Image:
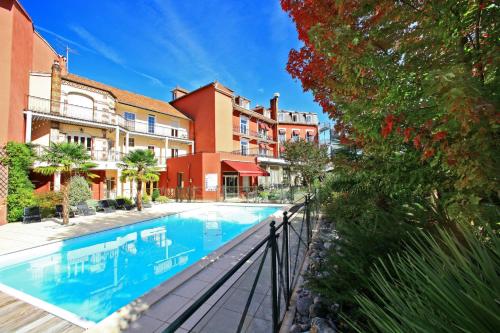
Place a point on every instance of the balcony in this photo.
(245, 131)
(103, 155)
(259, 152)
(101, 117)
(95, 155)
(253, 114)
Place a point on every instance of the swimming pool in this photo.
(92, 276)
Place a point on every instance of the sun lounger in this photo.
(32, 214)
(104, 206)
(84, 210)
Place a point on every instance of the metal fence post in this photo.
(286, 257)
(308, 218)
(274, 275)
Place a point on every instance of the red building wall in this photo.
(21, 51)
(200, 106)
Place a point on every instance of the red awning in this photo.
(262, 126)
(262, 145)
(296, 132)
(282, 131)
(246, 168)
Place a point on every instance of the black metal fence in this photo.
(265, 279)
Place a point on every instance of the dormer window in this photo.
(294, 118)
(281, 117)
(308, 119)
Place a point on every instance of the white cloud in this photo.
(109, 53)
(64, 39)
(99, 46)
(186, 48)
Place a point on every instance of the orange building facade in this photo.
(22, 50)
(229, 137)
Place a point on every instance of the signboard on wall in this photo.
(211, 182)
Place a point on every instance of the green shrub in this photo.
(20, 189)
(79, 190)
(274, 195)
(146, 198)
(162, 199)
(128, 201)
(440, 284)
(47, 202)
(155, 194)
(264, 195)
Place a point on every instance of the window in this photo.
(129, 120)
(309, 136)
(151, 124)
(295, 135)
(82, 140)
(245, 104)
(175, 132)
(174, 152)
(281, 117)
(282, 135)
(262, 151)
(131, 142)
(244, 125)
(152, 148)
(244, 147)
(294, 118)
(308, 119)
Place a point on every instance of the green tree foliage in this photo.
(139, 166)
(413, 82)
(69, 159)
(307, 159)
(440, 284)
(413, 86)
(79, 190)
(20, 189)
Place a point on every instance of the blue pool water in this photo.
(94, 275)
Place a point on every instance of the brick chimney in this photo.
(55, 87)
(274, 106)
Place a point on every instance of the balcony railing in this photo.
(56, 108)
(244, 130)
(95, 154)
(254, 152)
(104, 155)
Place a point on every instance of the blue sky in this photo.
(151, 46)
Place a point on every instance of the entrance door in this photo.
(246, 183)
(180, 180)
(230, 186)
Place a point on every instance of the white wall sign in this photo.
(211, 182)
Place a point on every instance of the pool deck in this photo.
(152, 312)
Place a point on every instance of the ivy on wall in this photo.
(19, 159)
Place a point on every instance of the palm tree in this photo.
(139, 166)
(69, 159)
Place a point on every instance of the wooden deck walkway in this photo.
(20, 317)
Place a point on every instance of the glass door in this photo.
(230, 186)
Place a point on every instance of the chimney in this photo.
(55, 87)
(274, 106)
(178, 92)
